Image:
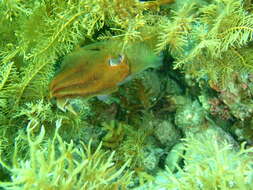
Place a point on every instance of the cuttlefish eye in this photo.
(116, 61)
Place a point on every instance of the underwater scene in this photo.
(126, 95)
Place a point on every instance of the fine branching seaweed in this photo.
(210, 41)
(204, 40)
(212, 165)
(55, 164)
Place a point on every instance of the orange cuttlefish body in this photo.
(99, 68)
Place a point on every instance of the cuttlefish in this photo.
(99, 69)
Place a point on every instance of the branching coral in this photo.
(60, 165)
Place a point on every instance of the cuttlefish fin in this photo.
(106, 94)
(126, 80)
(103, 98)
(64, 105)
(141, 56)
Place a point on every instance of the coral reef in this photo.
(200, 91)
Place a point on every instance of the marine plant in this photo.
(212, 164)
(56, 164)
(134, 148)
(210, 41)
(115, 133)
(204, 39)
(34, 38)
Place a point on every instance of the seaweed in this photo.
(56, 164)
(210, 41)
(212, 165)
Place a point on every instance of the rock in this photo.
(174, 157)
(190, 117)
(166, 133)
